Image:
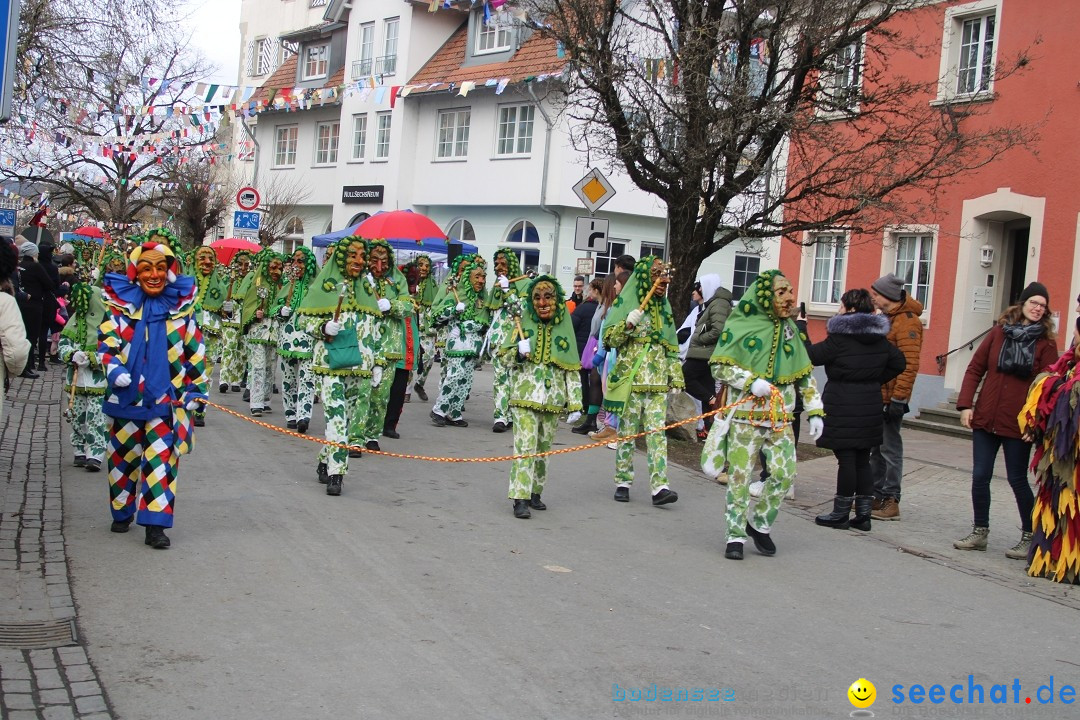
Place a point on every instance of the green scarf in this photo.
(658, 309)
(475, 302)
(426, 289)
(292, 291)
(757, 341)
(87, 311)
(456, 265)
(554, 342)
(260, 291)
(497, 296)
(322, 295)
(210, 289)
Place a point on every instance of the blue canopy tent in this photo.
(432, 246)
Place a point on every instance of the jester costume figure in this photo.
(465, 314)
(258, 329)
(232, 353)
(152, 352)
(426, 290)
(210, 288)
(340, 311)
(761, 356)
(505, 302)
(85, 377)
(436, 331)
(391, 292)
(1052, 417)
(543, 382)
(294, 344)
(646, 369)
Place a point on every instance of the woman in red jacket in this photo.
(1020, 346)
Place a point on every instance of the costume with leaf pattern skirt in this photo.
(464, 340)
(505, 306)
(233, 354)
(260, 333)
(89, 426)
(295, 344)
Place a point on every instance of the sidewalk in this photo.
(44, 671)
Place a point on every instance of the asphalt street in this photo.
(417, 594)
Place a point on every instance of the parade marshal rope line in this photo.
(759, 404)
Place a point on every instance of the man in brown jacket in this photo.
(906, 333)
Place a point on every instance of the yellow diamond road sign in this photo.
(594, 190)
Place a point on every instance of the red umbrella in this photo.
(89, 231)
(400, 225)
(227, 247)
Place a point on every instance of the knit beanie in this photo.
(890, 287)
(28, 249)
(1032, 290)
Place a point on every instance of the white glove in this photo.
(286, 311)
(332, 327)
(193, 405)
(122, 380)
(761, 388)
(524, 347)
(634, 316)
(573, 417)
(817, 426)
(384, 305)
(460, 307)
(376, 376)
(504, 282)
(80, 358)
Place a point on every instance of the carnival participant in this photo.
(152, 352)
(543, 383)
(232, 352)
(209, 296)
(504, 301)
(257, 328)
(467, 318)
(760, 352)
(426, 291)
(641, 329)
(391, 292)
(85, 377)
(294, 343)
(339, 311)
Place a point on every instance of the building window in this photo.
(649, 250)
(605, 262)
(265, 57)
(495, 35)
(388, 61)
(515, 130)
(357, 219)
(326, 142)
(525, 232)
(359, 136)
(842, 81)
(382, 136)
(914, 260)
(969, 51)
(316, 61)
(747, 268)
(830, 252)
(285, 146)
(362, 66)
(976, 65)
(453, 134)
(462, 231)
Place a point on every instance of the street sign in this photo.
(246, 220)
(591, 234)
(594, 190)
(585, 266)
(7, 223)
(9, 13)
(247, 198)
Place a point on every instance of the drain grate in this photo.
(34, 635)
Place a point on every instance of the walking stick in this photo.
(664, 277)
(70, 413)
(527, 276)
(337, 311)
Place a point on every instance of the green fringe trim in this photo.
(786, 380)
(461, 353)
(294, 355)
(331, 310)
(762, 415)
(84, 390)
(537, 407)
(351, 372)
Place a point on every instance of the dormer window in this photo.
(496, 35)
(316, 61)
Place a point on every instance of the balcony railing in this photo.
(385, 65)
(361, 68)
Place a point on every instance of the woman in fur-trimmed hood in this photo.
(858, 359)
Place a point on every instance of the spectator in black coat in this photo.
(582, 319)
(39, 290)
(858, 360)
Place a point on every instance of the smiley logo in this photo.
(862, 693)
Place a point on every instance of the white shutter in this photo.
(249, 61)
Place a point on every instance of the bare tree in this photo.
(739, 115)
(279, 200)
(203, 196)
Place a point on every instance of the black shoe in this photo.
(355, 451)
(420, 391)
(664, 497)
(267, 409)
(323, 472)
(291, 424)
(199, 421)
(391, 433)
(437, 420)
(257, 412)
(762, 541)
(121, 526)
(733, 551)
(301, 426)
(864, 504)
(42, 367)
(372, 445)
(499, 427)
(247, 395)
(276, 391)
(840, 515)
(29, 374)
(521, 509)
(235, 388)
(55, 360)
(622, 494)
(536, 503)
(457, 422)
(333, 485)
(156, 538)
(80, 461)
(92, 465)
(223, 388)
(586, 427)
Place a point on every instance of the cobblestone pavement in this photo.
(45, 673)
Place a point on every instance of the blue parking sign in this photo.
(246, 220)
